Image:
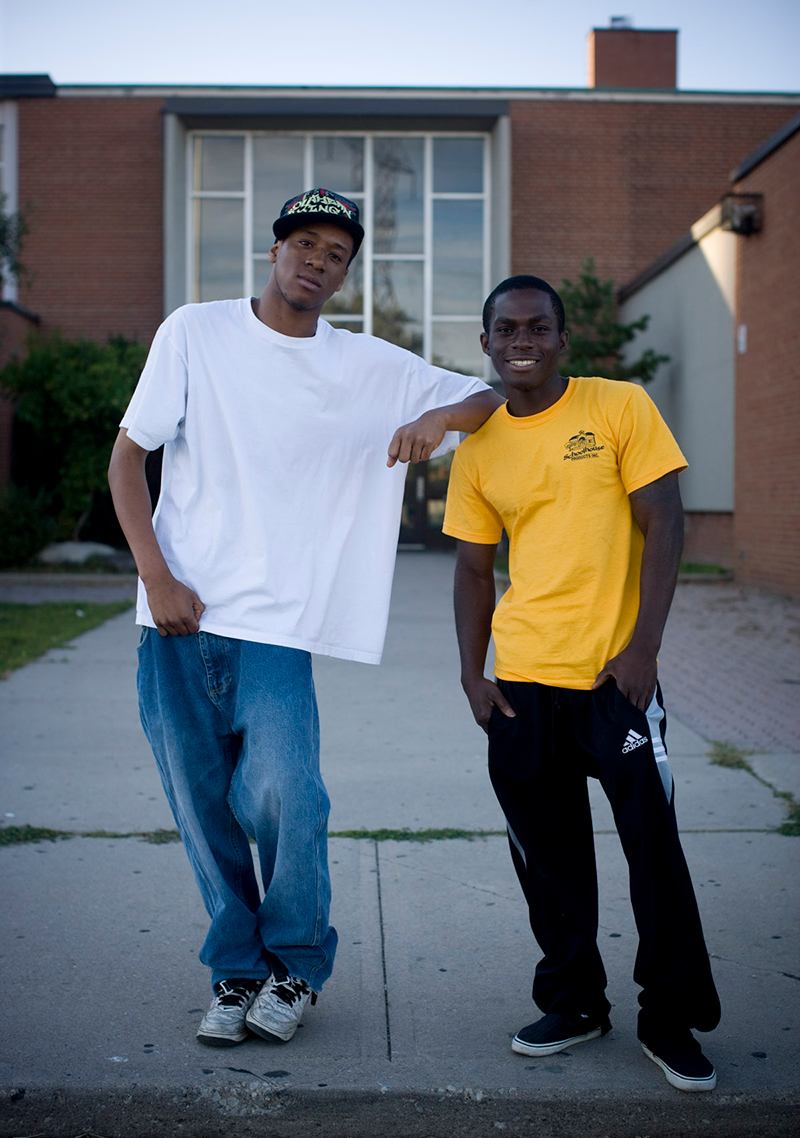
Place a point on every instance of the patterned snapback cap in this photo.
(320, 205)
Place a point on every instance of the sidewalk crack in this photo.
(383, 956)
(754, 968)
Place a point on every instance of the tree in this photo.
(13, 228)
(596, 337)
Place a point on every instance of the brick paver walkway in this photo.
(730, 665)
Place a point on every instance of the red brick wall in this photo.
(709, 539)
(767, 486)
(90, 175)
(625, 57)
(621, 182)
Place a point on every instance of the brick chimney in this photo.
(621, 56)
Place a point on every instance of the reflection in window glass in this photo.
(398, 303)
(457, 257)
(339, 164)
(219, 258)
(458, 166)
(350, 298)
(399, 184)
(277, 176)
(436, 508)
(457, 346)
(219, 163)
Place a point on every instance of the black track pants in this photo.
(539, 762)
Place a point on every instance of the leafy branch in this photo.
(597, 337)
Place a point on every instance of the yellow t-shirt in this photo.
(558, 483)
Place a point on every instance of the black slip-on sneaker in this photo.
(555, 1032)
(680, 1057)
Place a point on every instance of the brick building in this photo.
(767, 385)
(724, 302)
(140, 199)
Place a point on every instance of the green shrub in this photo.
(70, 396)
(25, 526)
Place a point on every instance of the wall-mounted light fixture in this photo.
(742, 213)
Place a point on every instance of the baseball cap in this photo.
(320, 205)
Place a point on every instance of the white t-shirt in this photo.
(276, 505)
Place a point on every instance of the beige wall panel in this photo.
(691, 319)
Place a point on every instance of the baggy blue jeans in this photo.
(235, 732)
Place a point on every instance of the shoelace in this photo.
(292, 989)
(233, 996)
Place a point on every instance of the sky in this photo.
(723, 45)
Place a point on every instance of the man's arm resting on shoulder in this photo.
(174, 607)
(474, 596)
(658, 512)
(416, 441)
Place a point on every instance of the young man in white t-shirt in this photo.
(274, 537)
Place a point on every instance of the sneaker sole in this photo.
(270, 1036)
(682, 1082)
(221, 1040)
(540, 1049)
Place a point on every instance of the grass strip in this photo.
(28, 631)
(21, 835)
(791, 827)
(726, 755)
(406, 835)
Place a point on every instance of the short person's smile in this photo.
(524, 341)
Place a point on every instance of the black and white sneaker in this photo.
(555, 1032)
(279, 1008)
(223, 1025)
(680, 1057)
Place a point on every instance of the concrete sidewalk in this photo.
(411, 1036)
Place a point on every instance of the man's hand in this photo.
(483, 695)
(416, 442)
(635, 672)
(174, 607)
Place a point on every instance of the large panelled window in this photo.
(423, 271)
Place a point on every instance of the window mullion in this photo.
(427, 248)
(487, 234)
(192, 229)
(367, 222)
(308, 165)
(248, 214)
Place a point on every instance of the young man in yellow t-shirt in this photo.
(583, 476)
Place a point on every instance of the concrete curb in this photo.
(257, 1108)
